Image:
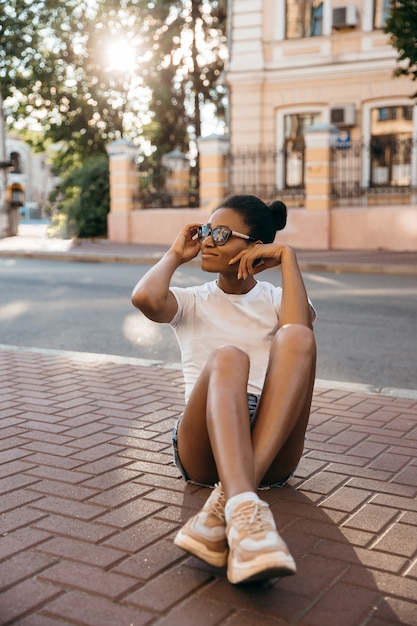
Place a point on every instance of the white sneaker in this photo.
(204, 535)
(256, 551)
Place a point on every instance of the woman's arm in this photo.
(152, 295)
(295, 308)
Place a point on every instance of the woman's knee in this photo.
(229, 358)
(296, 338)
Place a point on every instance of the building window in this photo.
(391, 145)
(381, 11)
(15, 158)
(304, 18)
(294, 127)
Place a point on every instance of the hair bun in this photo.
(279, 214)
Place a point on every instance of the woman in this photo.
(248, 354)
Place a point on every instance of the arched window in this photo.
(16, 159)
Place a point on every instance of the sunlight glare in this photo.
(121, 56)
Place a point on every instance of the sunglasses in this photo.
(220, 234)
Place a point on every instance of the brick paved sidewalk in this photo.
(90, 503)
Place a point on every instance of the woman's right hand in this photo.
(186, 246)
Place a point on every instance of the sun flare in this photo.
(121, 55)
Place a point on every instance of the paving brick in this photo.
(81, 551)
(62, 526)
(15, 481)
(94, 452)
(21, 566)
(105, 465)
(151, 561)
(389, 584)
(324, 482)
(130, 513)
(168, 589)
(250, 618)
(141, 534)
(358, 538)
(399, 539)
(57, 472)
(110, 479)
(88, 579)
(15, 499)
(396, 612)
(408, 476)
(91, 503)
(266, 599)
(81, 608)
(202, 612)
(65, 490)
(17, 518)
(314, 575)
(80, 510)
(24, 597)
(348, 611)
(40, 620)
(119, 495)
(346, 499)
(371, 518)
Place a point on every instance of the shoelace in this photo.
(217, 507)
(251, 515)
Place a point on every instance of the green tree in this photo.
(402, 26)
(84, 202)
(82, 99)
(179, 57)
(21, 25)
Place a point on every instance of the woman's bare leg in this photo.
(284, 409)
(214, 439)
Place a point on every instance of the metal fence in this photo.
(258, 172)
(364, 173)
(155, 192)
(374, 172)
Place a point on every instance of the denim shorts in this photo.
(253, 400)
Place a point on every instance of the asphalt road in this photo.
(366, 325)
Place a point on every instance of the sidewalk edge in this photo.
(346, 267)
(94, 357)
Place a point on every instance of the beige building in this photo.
(317, 118)
(296, 64)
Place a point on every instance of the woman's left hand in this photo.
(259, 257)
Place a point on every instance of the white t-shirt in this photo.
(208, 318)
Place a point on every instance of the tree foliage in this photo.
(54, 61)
(83, 200)
(402, 26)
(79, 98)
(21, 42)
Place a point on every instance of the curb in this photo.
(94, 357)
(310, 266)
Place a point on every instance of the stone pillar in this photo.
(214, 172)
(319, 166)
(177, 177)
(124, 189)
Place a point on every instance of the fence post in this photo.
(319, 166)
(214, 173)
(177, 181)
(124, 189)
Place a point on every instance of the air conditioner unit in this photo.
(343, 116)
(345, 17)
